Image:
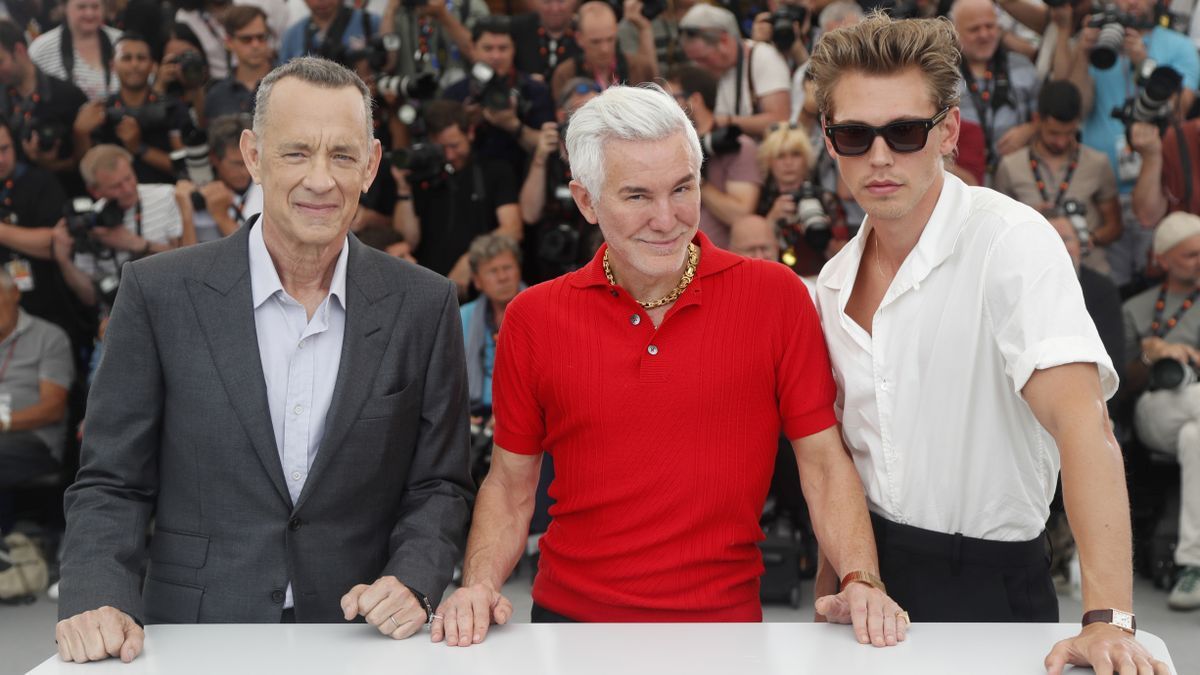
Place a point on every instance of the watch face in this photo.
(1122, 620)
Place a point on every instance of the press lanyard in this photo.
(1035, 165)
(1157, 327)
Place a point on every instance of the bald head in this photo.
(596, 15)
(978, 28)
(598, 35)
(754, 237)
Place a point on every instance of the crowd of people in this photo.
(123, 125)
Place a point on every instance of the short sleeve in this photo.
(1108, 181)
(520, 419)
(56, 365)
(1035, 306)
(804, 378)
(770, 70)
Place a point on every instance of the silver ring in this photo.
(393, 618)
(437, 617)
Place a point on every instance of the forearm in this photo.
(532, 199)
(459, 35)
(756, 125)
(38, 415)
(1149, 202)
(79, 283)
(723, 206)
(1093, 479)
(528, 138)
(499, 531)
(1078, 76)
(1030, 14)
(405, 221)
(1108, 232)
(31, 241)
(838, 506)
(226, 224)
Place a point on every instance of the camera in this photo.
(192, 164)
(420, 86)
(721, 141)
(84, 215)
(1152, 104)
(811, 217)
(1112, 25)
(425, 163)
(652, 8)
(1076, 213)
(559, 245)
(151, 115)
(783, 31)
(48, 133)
(1171, 374)
(376, 52)
(193, 72)
(492, 91)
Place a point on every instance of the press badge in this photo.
(1129, 163)
(21, 273)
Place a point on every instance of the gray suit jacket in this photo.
(178, 428)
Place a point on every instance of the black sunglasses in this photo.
(852, 140)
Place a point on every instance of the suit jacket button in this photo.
(277, 596)
(294, 524)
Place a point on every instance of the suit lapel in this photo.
(370, 304)
(225, 308)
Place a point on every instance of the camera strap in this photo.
(1035, 166)
(1157, 328)
(66, 48)
(1185, 160)
(744, 65)
(333, 36)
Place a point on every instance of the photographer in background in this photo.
(439, 214)
(1162, 334)
(1133, 48)
(331, 30)
(664, 16)
(600, 57)
(730, 181)
(545, 37)
(1056, 171)
(435, 36)
(145, 123)
(224, 204)
(183, 73)
(248, 39)
(1169, 179)
(40, 110)
(754, 83)
(513, 106)
(558, 238)
(133, 221)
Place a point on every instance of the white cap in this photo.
(1174, 229)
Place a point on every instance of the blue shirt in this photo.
(489, 347)
(1113, 86)
(300, 359)
(293, 44)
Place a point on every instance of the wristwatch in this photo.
(424, 600)
(1115, 617)
(864, 577)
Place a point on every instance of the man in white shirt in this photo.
(753, 85)
(965, 361)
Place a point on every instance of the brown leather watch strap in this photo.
(1115, 617)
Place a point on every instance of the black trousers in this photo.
(940, 577)
(23, 456)
(539, 614)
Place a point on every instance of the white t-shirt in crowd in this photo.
(770, 75)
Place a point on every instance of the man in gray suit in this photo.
(287, 404)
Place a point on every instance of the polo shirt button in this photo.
(276, 596)
(653, 350)
(635, 319)
(615, 293)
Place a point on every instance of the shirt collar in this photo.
(264, 279)
(712, 260)
(938, 241)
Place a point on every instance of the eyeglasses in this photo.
(852, 140)
(776, 126)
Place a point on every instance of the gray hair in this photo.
(103, 157)
(840, 11)
(487, 247)
(641, 113)
(313, 70)
(708, 18)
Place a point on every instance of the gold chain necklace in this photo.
(688, 275)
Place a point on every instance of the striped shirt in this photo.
(160, 224)
(46, 54)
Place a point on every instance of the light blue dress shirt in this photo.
(300, 359)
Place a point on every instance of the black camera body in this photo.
(811, 218)
(720, 141)
(1152, 103)
(425, 163)
(493, 91)
(1076, 213)
(1112, 24)
(193, 71)
(82, 217)
(151, 115)
(48, 133)
(783, 32)
(1170, 374)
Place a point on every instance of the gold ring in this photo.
(393, 618)
(901, 614)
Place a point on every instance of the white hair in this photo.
(641, 113)
(840, 11)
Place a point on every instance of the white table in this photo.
(586, 649)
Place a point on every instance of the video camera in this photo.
(1112, 24)
(1152, 103)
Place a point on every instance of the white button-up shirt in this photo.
(300, 360)
(930, 401)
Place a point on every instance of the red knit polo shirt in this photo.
(663, 440)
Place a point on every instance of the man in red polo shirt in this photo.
(659, 377)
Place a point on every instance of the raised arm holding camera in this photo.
(600, 57)
(1169, 179)
(435, 36)
(230, 198)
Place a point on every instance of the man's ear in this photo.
(584, 201)
(248, 144)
